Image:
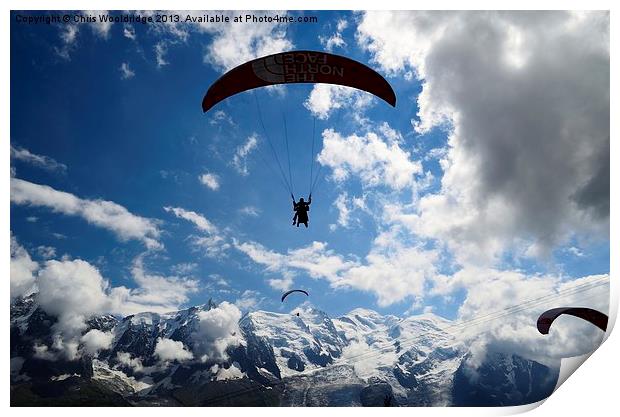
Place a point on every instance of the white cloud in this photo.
(126, 71)
(527, 161)
(250, 211)
(220, 116)
(161, 49)
(218, 330)
(210, 180)
(46, 252)
(214, 246)
(100, 28)
(41, 161)
(198, 220)
(72, 291)
(325, 98)
(240, 159)
(283, 284)
(376, 158)
(68, 36)
(22, 270)
(520, 299)
(392, 271)
(335, 39)
(249, 300)
(168, 350)
(344, 212)
(314, 259)
(184, 268)
(129, 32)
(124, 358)
(105, 214)
(95, 340)
(235, 44)
(224, 374)
(157, 293)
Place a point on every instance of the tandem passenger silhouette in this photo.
(301, 209)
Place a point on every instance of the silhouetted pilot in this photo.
(301, 211)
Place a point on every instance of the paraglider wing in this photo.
(296, 67)
(593, 316)
(286, 294)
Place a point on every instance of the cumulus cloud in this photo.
(235, 44)
(22, 271)
(344, 212)
(528, 160)
(335, 40)
(223, 374)
(325, 98)
(106, 214)
(240, 158)
(315, 259)
(168, 350)
(218, 330)
(41, 161)
(283, 284)
(135, 364)
(126, 71)
(95, 341)
(376, 158)
(501, 309)
(210, 180)
(74, 290)
(392, 271)
(154, 292)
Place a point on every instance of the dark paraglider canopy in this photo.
(595, 317)
(298, 67)
(286, 294)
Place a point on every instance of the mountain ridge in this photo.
(265, 358)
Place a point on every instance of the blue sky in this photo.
(419, 205)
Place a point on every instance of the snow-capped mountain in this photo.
(360, 358)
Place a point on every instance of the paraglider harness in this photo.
(301, 209)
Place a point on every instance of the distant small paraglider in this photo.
(286, 294)
(546, 319)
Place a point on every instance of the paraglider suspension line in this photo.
(288, 155)
(312, 153)
(275, 154)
